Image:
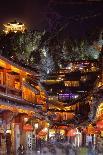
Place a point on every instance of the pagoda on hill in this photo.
(14, 27)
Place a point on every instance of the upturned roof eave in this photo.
(18, 66)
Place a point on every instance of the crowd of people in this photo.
(59, 149)
(55, 148)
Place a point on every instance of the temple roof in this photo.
(18, 66)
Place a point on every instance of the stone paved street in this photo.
(45, 151)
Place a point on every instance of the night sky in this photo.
(34, 13)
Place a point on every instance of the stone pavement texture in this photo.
(45, 151)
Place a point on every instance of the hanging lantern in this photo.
(100, 125)
(42, 133)
(71, 133)
(90, 130)
(63, 127)
(28, 127)
(85, 130)
(97, 131)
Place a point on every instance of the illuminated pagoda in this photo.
(14, 27)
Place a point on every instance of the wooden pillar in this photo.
(83, 139)
(5, 79)
(21, 82)
(13, 137)
(23, 138)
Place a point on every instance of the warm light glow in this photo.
(14, 69)
(17, 109)
(36, 126)
(71, 83)
(100, 111)
(51, 132)
(14, 78)
(23, 79)
(25, 119)
(72, 133)
(62, 132)
(51, 81)
(45, 129)
(28, 127)
(8, 131)
(14, 27)
(2, 64)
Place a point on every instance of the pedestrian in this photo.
(21, 150)
(90, 149)
(8, 143)
(67, 149)
(45, 150)
(71, 151)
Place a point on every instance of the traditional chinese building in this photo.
(14, 27)
(21, 99)
(70, 90)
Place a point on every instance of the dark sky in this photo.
(28, 11)
(33, 12)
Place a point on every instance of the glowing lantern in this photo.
(90, 130)
(28, 127)
(85, 130)
(71, 133)
(100, 125)
(42, 133)
(97, 131)
(63, 127)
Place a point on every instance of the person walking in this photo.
(91, 151)
(8, 143)
(21, 150)
(71, 151)
(67, 150)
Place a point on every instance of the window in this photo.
(71, 83)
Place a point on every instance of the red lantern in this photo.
(42, 133)
(90, 130)
(97, 131)
(28, 127)
(63, 127)
(72, 133)
(100, 125)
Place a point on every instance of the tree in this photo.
(46, 63)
